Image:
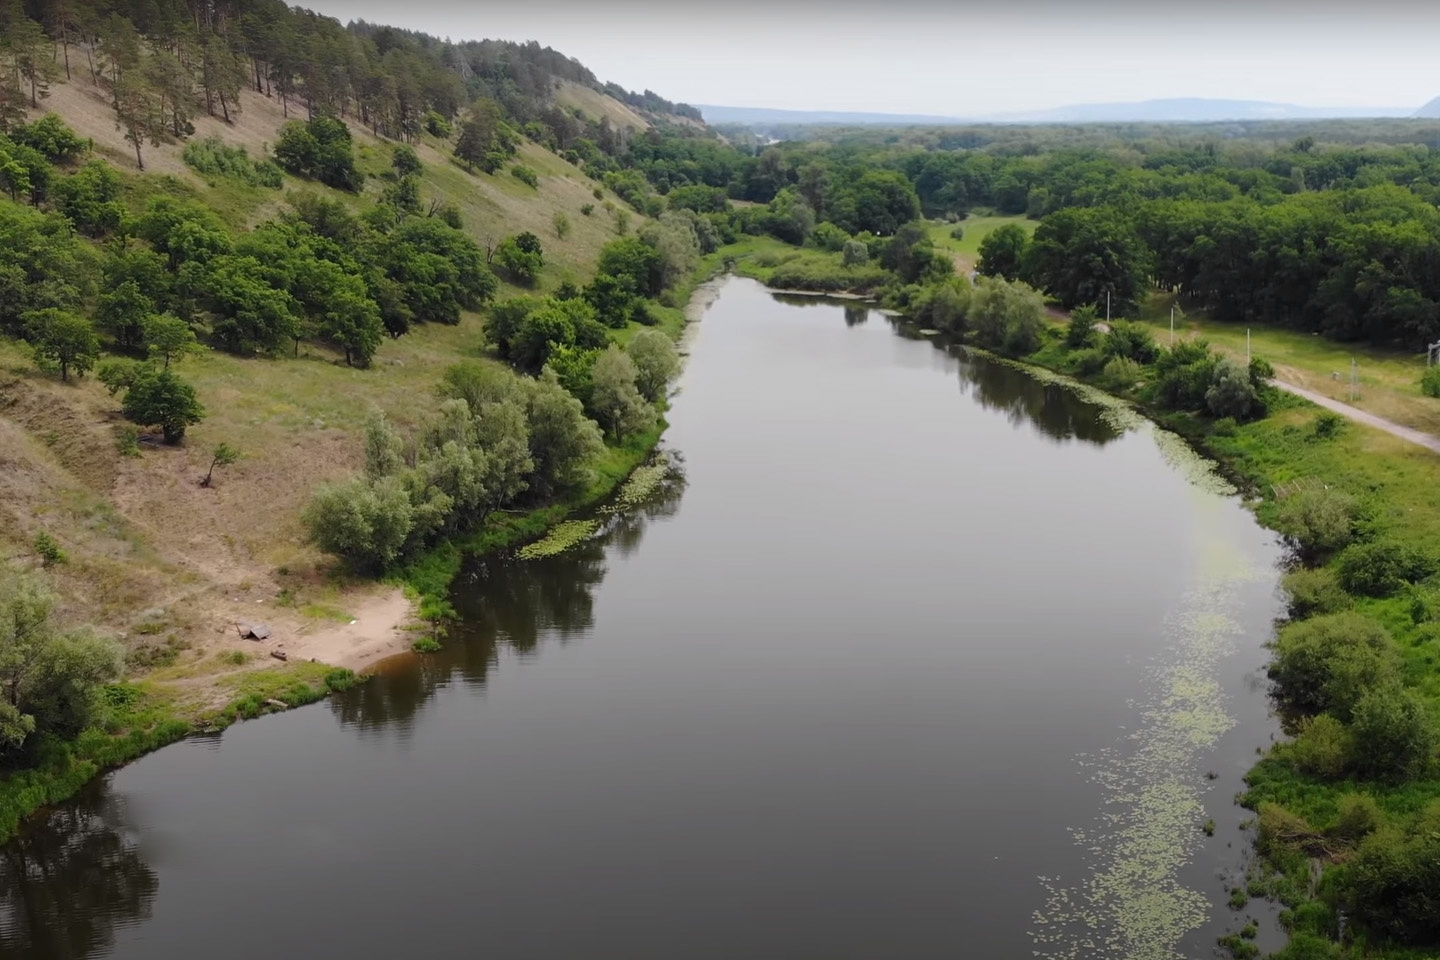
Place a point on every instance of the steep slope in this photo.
(173, 566)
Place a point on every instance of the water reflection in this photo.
(1055, 411)
(503, 601)
(69, 881)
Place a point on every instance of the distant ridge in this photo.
(1174, 110)
(763, 115)
(1431, 110)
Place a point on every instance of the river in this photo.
(913, 655)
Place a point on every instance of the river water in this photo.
(912, 655)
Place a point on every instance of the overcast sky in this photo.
(963, 58)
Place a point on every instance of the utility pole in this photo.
(1172, 324)
(1354, 380)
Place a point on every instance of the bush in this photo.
(1231, 393)
(525, 175)
(1430, 382)
(561, 222)
(1184, 375)
(1359, 816)
(1318, 521)
(212, 157)
(1394, 736)
(1225, 427)
(957, 233)
(587, 209)
(521, 258)
(855, 254)
(1394, 881)
(1323, 747)
(366, 521)
(320, 149)
(1330, 662)
(1131, 341)
(1382, 568)
(48, 550)
(1081, 330)
(1327, 426)
(1120, 374)
(1088, 362)
(1315, 591)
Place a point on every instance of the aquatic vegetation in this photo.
(642, 483)
(561, 538)
(1132, 904)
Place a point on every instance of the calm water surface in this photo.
(913, 656)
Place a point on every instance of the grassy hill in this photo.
(172, 566)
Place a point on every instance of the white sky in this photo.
(966, 59)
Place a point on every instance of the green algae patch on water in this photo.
(643, 482)
(1131, 903)
(561, 538)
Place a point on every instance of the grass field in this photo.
(974, 229)
(1389, 380)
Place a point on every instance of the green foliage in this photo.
(1007, 316)
(1327, 425)
(1323, 747)
(1382, 568)
(1318, 521)
(1231, 393)
(656, 363)
(51, 138)
(1002, 252)
(212, 157)
(1394, 734)
(1430, 382)
(1080, 332)
(1131, 341)
(1328, 663)
(62, 341)
(319, 149)
(1084, 254)
(168, 338)
(90, 198)
(50, 680)
(521, 259)
(855, 253)
(561, 222)
(1357, 816)
(158, 397)
(47, 548)
(1315, 591)
(525, 175)
(1120, 374)
(224, 456)
(1184, 375)
(1394, 881)
(615, 402)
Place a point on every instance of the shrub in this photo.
(1131, 341)
(587, 209)
(1225, 427)
(1317, 521)
(158, 397)
(1430, 382)
(1184, 374)
(525, 175)
(561, 222)
(1081, 329)
(48, 549)
(1329, 662)
(1323, 747)
(855, 254)
(1394, 736)
(1088, 362)
(1394, 879)
(1382, 568)
(1327, 425)
(1315, 591)
(957, 233)
(1120, 374)
(1358, 817)
(1231, 394)
(213, 157)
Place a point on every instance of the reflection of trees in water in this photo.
(504, 601)
(66, 884)
(856, 315)
(1056, 411)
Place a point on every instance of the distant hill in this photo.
(1430, 110)
(759, 116)
(1176, 110)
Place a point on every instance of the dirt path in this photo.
(1426, 440)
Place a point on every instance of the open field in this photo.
(1389, 380)
(974, 229)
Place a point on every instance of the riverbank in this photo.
(1323, 809)
(301, 663)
